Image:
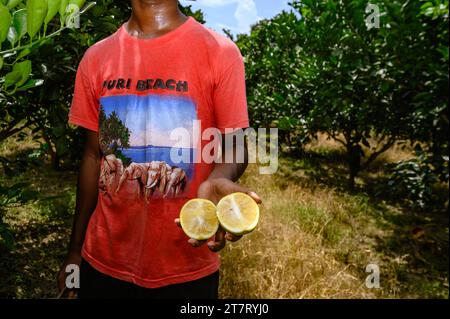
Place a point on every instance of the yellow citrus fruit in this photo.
(198, 219)
(238, 213)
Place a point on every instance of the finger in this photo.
(252, 194)
(219, 241)
(204, 189)
(231, 237)
(255, 197)
(192, 241)
(195, 242)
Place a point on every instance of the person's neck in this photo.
(153, 18)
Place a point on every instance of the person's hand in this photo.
(214, 190)
(72, 258)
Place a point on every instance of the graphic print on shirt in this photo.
(135, 138)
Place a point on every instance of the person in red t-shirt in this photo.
(159, 73)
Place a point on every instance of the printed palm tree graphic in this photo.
(113, 133)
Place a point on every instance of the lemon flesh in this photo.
(198, 219)
(238, 213)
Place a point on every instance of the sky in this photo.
(237, 15)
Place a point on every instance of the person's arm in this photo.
(231, 171)
(86, 201)
(230, 111)
(220, 183)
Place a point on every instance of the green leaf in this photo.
(25, 70)
(37, 11)
(13, 3)
(1, 62)
(443, 50)
(53, 8)
(19, 74)
(20, 22)
(18, 27)
(23, 53)
(5, 21)
(63, 10)
(348, 87)
(12, 78)
(12, 35)
(78, 3)
(32, 83)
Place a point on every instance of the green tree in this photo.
(27, 22)
(367, 88)
(278, 75)
(113, 133)
(197, 14)
(386, 84)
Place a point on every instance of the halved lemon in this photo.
(198, 219)
(238, 213)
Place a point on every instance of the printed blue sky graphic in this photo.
(151, 119)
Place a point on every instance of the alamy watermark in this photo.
(72, 14)
(73, 276)
(373, 279)
(262, 146)
(373, 19)
(72, 19)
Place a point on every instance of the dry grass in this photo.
(290, 255)
(323, 142)
(314, 241)
(15, 145)
(398, 152)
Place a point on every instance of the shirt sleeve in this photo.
(230, 100)
(84, 110)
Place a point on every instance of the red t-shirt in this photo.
(135, 92)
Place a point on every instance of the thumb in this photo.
(249, 192)
(255, 197)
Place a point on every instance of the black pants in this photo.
(94, 284)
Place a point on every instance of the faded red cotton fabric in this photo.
(135, 92)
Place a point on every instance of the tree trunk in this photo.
(54, 158)
(354, 153)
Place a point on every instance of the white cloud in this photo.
(246, 12)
